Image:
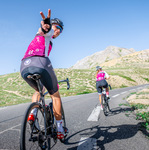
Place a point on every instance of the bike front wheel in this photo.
(33, 131)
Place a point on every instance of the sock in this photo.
(107, 93)
(59, 126)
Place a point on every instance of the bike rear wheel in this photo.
(64, 124)
(108, 106)
(33, 132)
(105, 105)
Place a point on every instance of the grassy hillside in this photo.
(14, 90)
(134, 68)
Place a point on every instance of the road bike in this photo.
(38, 134)
(105, 102)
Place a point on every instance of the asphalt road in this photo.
(89, 129)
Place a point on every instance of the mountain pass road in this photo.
(88, 128)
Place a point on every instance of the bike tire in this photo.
(105, 106)
(32, 135)
(108, 106)
(63, 117)
(64, 123)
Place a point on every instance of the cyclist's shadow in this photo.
(103, 135)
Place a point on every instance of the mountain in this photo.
(134, 68)
(100, 57)
(137, 59)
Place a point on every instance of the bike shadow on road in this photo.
(118, 110)
(104, 135)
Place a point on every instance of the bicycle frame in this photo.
(104, 91)
(30, 129)
(105, 103)
(43, 103)
(42, 100)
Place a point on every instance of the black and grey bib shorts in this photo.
(100, 84)
(42, 66)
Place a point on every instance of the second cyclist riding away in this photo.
(101, 77)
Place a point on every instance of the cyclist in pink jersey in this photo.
(36, 60)
(101, 77)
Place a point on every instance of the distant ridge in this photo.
(137, 59)
(111, 52)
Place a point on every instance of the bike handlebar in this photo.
(67, 80)
(68, 85)
(110, 87)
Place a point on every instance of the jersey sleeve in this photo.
(49, 34)
(106, 75)
(48, 38)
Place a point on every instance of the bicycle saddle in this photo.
(34, 76)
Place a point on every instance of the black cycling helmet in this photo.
(57, 21)
(98, 67)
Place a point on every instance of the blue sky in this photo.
(89, 26)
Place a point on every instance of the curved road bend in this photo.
(89, 128)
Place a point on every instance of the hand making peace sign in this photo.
(45, 24)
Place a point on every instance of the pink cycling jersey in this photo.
(101, 75)
(40, 46)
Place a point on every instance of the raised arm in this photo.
(45, 23)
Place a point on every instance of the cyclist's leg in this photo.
(100, 98)
(107, 88)
(99, 90)
(49, 80)
(60, 120)
(36, 95)
(107, 91)
(57, 105)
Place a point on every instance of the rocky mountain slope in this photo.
(97, 58)
(134, 66)
(138, 59)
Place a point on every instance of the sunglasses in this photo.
(58, 27)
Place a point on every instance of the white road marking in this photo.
(132, 90)
(124, 92)
(95, 114)
(139, 88)
(87, 144)
(9, 128)
(116, 95)
(2, 108)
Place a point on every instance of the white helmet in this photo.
(98, 67)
